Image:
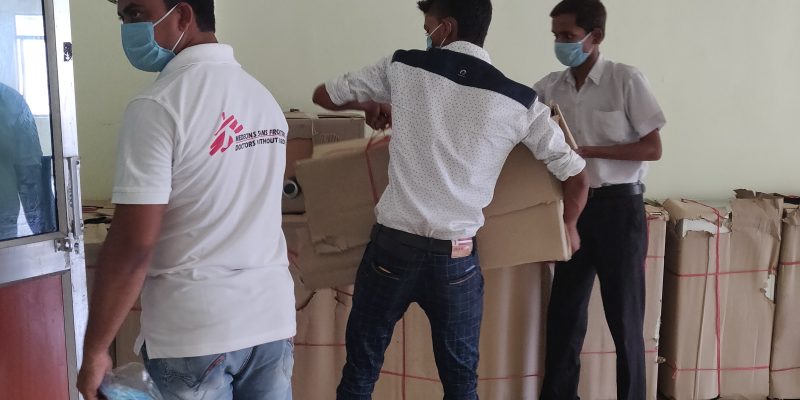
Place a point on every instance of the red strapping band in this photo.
(675, 370)
(790, 264)
(785, 369)
(753, 271)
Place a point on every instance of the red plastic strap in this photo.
(790, 264)
(784, 369)
(752, 271)
(718, 370)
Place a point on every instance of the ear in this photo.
(598, 35)
(452, 29)
(186, 16)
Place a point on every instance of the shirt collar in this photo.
(469, 49)
(211, 53)
(594, 75)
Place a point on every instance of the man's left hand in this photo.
(379, 116)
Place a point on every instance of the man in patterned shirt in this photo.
(455, 119)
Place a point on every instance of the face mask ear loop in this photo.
(444, 40)
(165, 15)
(178, 42)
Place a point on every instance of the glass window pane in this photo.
(34, 75)
(27, 198)
(29, 25)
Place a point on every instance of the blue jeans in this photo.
(258, 373)
(450, 291)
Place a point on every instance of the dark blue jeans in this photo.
(450, 291)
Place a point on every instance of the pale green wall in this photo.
(725, 72)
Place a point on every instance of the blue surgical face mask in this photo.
(139, 43)
(571, 54)
(430, 40)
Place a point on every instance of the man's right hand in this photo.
(94, 368)
(379, 116)
(574, 238)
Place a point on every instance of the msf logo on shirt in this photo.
(223, 138)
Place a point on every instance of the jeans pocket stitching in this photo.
(385, 272)
(465, 278)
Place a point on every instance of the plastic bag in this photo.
(129, 382)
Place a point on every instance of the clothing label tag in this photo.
(461, 248)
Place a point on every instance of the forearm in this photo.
(627, 152)
(323, 99)
(121, 271)
(576, 190)
(648, 148)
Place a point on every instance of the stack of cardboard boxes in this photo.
(785, 363)
(512, 337)
(718, 290)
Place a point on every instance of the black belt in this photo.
(387, 237)
(626, 189)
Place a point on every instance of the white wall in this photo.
(725, 72)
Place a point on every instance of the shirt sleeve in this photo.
(641, 106)
(144, 162)
(368, 84)
(546, 140)
(29, 150)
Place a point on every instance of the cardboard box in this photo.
(318, 271)
(785, 362)
(343, 182)
(511, 362)
(308, 130)
(598, 358)
(718, 313)
(525, 220)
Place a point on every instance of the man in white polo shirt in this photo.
(198, 221)
(616, 121)
(455, 119)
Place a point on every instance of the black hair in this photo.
(473, 16)
(589, 14)
(203, 12)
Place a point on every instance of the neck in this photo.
(194, 40)
(581, 72)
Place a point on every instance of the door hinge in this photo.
(65, 245)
